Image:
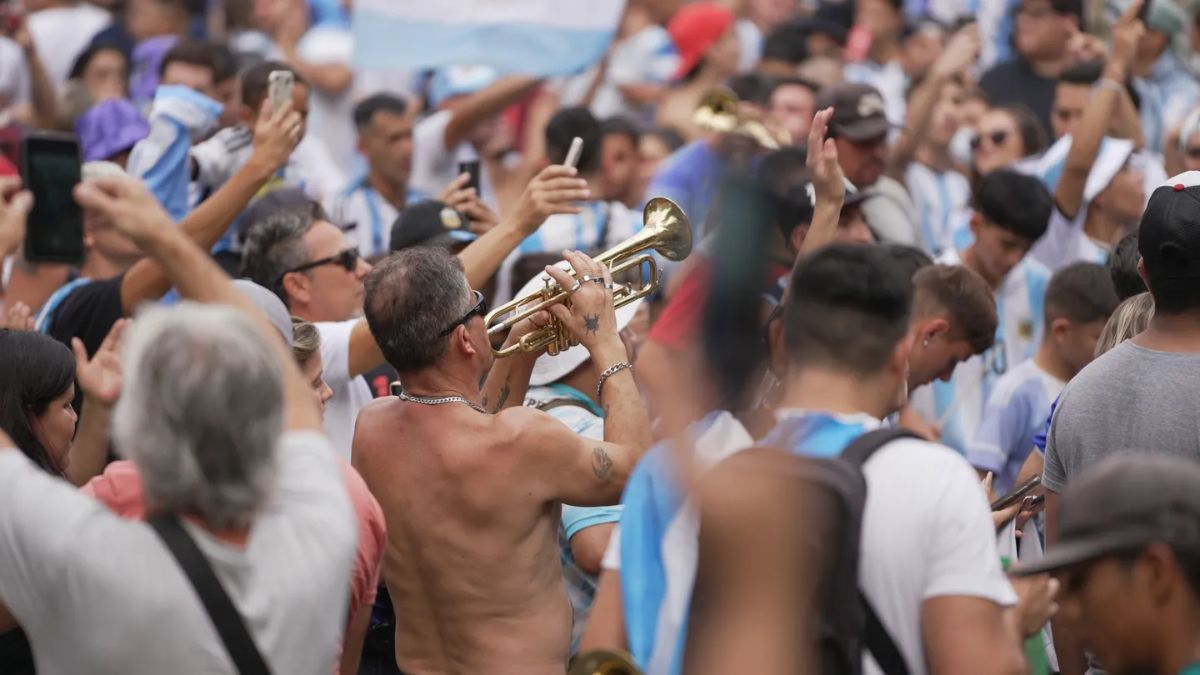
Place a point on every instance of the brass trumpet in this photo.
(604, 662)
(719, 112)
(665, 229)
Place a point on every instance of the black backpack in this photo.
(831, 494)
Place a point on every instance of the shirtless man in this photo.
(471, 487)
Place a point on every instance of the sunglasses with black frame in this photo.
(996, 137)
(479, 309)
(347, 260)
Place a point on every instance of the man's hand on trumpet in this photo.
(589, 313)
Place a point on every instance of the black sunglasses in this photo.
(1193, 153)
(479, 309)
(996, 137)
(347, 259)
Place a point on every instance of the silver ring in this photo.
(574, 288)
(586, 278)
(598, 280)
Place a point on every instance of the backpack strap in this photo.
(225, 617)
(875, 636)
(879, 642)
(859, 451)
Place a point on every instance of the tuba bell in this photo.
(720, 111)
(665, 230)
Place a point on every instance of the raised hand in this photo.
(456, 194)
(128, 205)
(276, 134)
(1035, 602)
(100, 377)
(961, 52)
(589, 314)
(1126, 34)
(18, 317)
(15, 204)
(828, 181)
(481, 217)
(554, 190)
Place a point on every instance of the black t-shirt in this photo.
(1015, 82)
(380, 379)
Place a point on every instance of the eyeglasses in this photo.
(1192, 153)
(347, 259)
(479, 309)
(996, 137)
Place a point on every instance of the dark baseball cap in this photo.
(1122, 504)
(859, 113)
(430, 223)
(1169, 235)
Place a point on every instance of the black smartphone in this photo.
(471, 168)
(50, 169)
(1017, 494)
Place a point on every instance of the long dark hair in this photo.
(34, 370)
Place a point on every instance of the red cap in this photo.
(694, 29)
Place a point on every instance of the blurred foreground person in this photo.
(1128, 554)
(470, 480)
(247, 508)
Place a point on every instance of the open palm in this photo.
(100, 376)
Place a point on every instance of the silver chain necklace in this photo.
(424, 400)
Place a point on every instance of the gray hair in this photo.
(275, 245)
(201, 412)
(411, 296)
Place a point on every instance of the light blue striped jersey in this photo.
(1014, 415)
(366, 217)
(658, 534)
(943, 201)
(957, 405)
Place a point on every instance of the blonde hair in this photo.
(1130, 318)
(306, 340)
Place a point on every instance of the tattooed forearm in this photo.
(601, 463)
(591, 323)
(503, 398)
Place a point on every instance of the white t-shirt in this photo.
(350, 394)
(1065, 242)
(942, 200)
(331, 116)
(434, 167)
(646, 57)
(83, 582)
(14, 75)
(62, 33)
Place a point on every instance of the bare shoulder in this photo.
(375, 416)
(528, 428)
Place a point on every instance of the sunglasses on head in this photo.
(480, 308)
(347, 260)
(996, 137)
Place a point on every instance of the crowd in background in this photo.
(946, 241)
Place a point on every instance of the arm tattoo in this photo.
(601, 463)
(591, 322)
(504, 392)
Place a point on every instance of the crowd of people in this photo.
(918, 401)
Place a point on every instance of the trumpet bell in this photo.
(719, 112)
(604, 662)
(670, 227)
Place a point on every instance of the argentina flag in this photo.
(532, 37)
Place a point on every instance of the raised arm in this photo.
(41, 87)
(137, 215)
(1085, 143)
(829, 185)
(274, 139)
(485, 104)
(100, 379)
(959, 54)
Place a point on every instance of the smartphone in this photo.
(50, 169)
(279, 87)
(574, 152)
(1018, 493)
(471, 168)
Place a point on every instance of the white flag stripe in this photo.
(570, 14)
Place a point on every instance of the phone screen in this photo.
(51, 170)
(473, 169)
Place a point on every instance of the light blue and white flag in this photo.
(532, 37)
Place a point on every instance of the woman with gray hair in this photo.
(225, 434)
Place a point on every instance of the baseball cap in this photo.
(430, 223)
(695, 28)
(1169, 235)
(110, 128)
(859, 113)
(1121, 504)
(270, 304)
(547, 368)
(458, 81)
